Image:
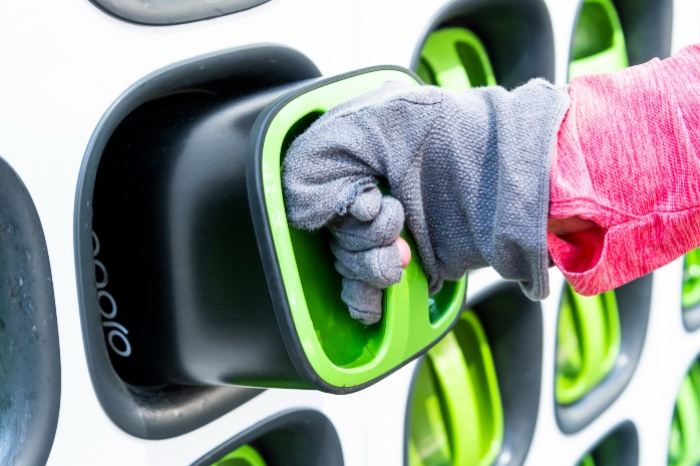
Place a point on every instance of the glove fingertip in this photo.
(367, 205)
(364, 301)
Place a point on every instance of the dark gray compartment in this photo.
(289, 438)
(517, 35)
(513, 327)
(647, 25)
(168, 12)
(634, 304)
(30, 371)
(162, 410)
(619, 448)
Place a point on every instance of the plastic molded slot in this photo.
(620, 447)
(684, 449)
(456, 59)
(456, 412)
(295, 437)
(245, 455)
(341, 351)
(588, 343)
(599, 43)
(691, 280)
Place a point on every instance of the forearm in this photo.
(626, 159)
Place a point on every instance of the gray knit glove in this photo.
(470, 172)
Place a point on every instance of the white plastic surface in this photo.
(62, 63)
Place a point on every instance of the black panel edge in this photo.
(316, 442)
(634, 304)
(619, 446)
(30, 382)
(158, 413)
(517, 35)
(169, 12)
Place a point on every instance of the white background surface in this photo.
(64, 62)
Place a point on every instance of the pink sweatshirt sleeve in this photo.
(627, 159)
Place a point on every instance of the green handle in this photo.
(599, 42)
(587, 461)
(242, 456)
(343, 352)
(456, 59)
(589, 343)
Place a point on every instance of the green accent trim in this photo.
(455, 59)
(342, 351)
(599, 42)
(456, 410)
(587, 461)
(242, 456)
(589, 338)
(690, 297)
(684, 448)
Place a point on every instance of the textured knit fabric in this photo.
(627, 159)
(470, 170)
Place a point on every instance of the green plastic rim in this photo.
(690, 297)
(456, 410)
(587, 461)
(342, 351)
(588, 343)
(684, 448)
(599, 42)
(455, 58)
(242, 456)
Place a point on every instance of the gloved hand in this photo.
(469, 172)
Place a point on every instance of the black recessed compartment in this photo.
(289, 438)
(619, 448)
(134, 231)
(30, 371)
(634, 304)
(517, 35)
(168, 12)
(514, 329)
(647, 26)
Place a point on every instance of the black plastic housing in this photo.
(176, 236)
(163, 408)
(169, 12)
(517, 35)
(289, 438)
(620, 447)
(30, 371)
(513, 325)
(634, 306)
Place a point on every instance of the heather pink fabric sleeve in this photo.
(627, 158)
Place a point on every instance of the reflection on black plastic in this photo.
(167, 12)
